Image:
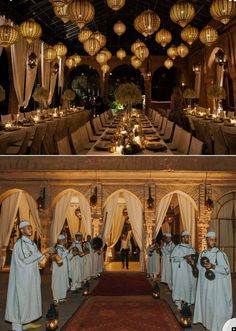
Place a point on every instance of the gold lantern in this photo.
(100, 38)
(208, 35)
(76, 58)
(50, 54)
(115, 4)
(84, 35)
(182, 13)
(136, 63)
(147, 23)
(60, 3)
(168, 63)
(101, 58)
(223, 10)
(121, 54)
(60, 49)
(163, 37)
(8, 35)
(189, 34)
(182, 50)
(105, 68)
(92, 46)
(61, 12)
(108, 53)
(119, 28)
(81, 12)
(142, 53)
(136, 44)
(70, 62)
(30, 30)
(172, 52)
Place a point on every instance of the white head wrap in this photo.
(185, 233)
(61, 237)
(24, 224)
(168, 235)
(78, 234)
(211, 234)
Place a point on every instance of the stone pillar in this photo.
(149, 216)
(13, 102)
(96, 211)
(46, 216)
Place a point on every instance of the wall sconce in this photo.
(41, 199)
(94, 198)
(52, 318)
(196, 68)
(185, 317)
(156, 291)
(32, 60)
(220, 58)
(150, 200)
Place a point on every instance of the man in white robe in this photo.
(61, 273)
(183, 281)
(77, 265)
(213, 305)
(153, 260)
(24, 301)
(166, 269)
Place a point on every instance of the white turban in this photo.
(78, 234)
(185, 233)
(168, 235)
(211, 234)
(61, 237)
(24, 224)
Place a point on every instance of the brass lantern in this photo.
(60, 49)
(76, 58)
(189, 34)
(50, 54)
(136, 44)
(70, 62)
(105, 68)
(119, 28)
(208, 35)
(115, 4)
(223, 10)
(84, 35)
(100, 38)
(81, 12)
(136, 63)
(147, 23)
(101, 58)
(108, 53)
(163, 37)
(92, 46)
(182, 13)
(168, 63)
(182, 50)
(60, 3)
(142, 53)
(8, 35)
(61, 12)
(30, 30)
(172, 52)
(121, 54)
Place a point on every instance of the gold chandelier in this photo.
(172, 52)
(223, 10)
(119, 28)
(60, 3)
(189, 34)
(136, 63)
(168, 63)
(136, 44)
(142, 53)
(8, 35)
(84, 35)
(50, 54)
(60, 49)
(81, 12)
(147, 23)
(121, 54)
(208, 35)
(61, 12)
(76, 58)
(182, 50)
(101, 58)
(163, 37)
(182, 13)
(30, 30)
(70, 63)
(115, 4)
(105, 68)
(100, 38)
(92, 46)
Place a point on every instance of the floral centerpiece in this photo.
(216, 93)
(41, 95)
(2, 94)
(68, 96)
(128, 94)
(189, 94)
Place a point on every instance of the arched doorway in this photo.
(17, 205)
(223, 222)
(120, 207)
(71, 213)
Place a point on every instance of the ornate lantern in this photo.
(32, 60)
(105, 68)
(220, 58)
(156, 291)
(61, 12)
(185, 317)
(50, 54)
(142, 53)
(108, 53)
(170, 215)
(70, 62)
(101, 58)
(86, 289)
(92, 46)
(119, 28)
(208, 35)
(54, 67)
(60, 49)
(150, 200)
(168, 63)
(76, 58)
(136, 63)
(182, 50)
(196, 67)
(81, 12)
(30, 30)
(100, 38)
(136, 44)
(163, 37)
(189, 34)
(52, 318)
(172, 52)
(84, 35)
(60, 3)
(8, 35)
(147, 23)
(121, 54)
(182, 13)
(115, 4)
(223, 10)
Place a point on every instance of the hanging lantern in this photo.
(220, 58)
(105, 68)
(168, 63)
(100, 38)
(147, 23)
(163, 37)
(172, 52)
(119, 28)
(182, 50)
(156, 291)
(70, 63)
(185, 317)
(208, 35)
(60, 49)
(115, 4)
(81, 12)
(101, 58)
(189, 34)
(60, 3)
(136, 63)
(76, 58)
(121, 54)
(50, 54)
(8, 35)
(30, 30)
(92, 46)
(61, 12)
(108, 53)
(136, 44)
(223, 10)
(84, 35)
(142, 53)
(54, 67)
(182, 13)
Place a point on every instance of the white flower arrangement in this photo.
(216, 92)
(40, 94)
(189, 94)
(128, 93)
(68, 95)
(2, 94)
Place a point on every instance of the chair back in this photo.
(177, 134)
(36, 146)
(220, 147)
(196, 147)
(12, 139)
(63, 146)
(169, 129)
(229, 134)
(48, 144)
(6, 118)
(184, 142)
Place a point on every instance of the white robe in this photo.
(24, 301)
(87, 259)
(166, 269)
(153, 262)
(61, 274)
(213, 305)
(98, 262)
(77, 268)
(183, 281)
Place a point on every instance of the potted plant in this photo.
(41, 96)
(216, 93)
(189, 94)
(68, 96)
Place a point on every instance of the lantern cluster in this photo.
(182, 13)
(147, 23)
(140, 51)
(189, 34)
(8, 35)
(73, 61)
(223, 10)
(60, 9)
(81, 12)
(208, 35)
(163, 37)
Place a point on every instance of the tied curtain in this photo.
(187, 212)
(109, 213)
(162, 211)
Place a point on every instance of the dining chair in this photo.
(176, 136)
(48, 143)
(219, 143)
(168, 131)
(91, 135)
(163, 127)
(196, 147)
(6, 118)
(12, 143)
(229, 134)
(36, 146)
(63, 146)
(183, 143)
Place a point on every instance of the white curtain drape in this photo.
(86, 214)
(34, 215)
(53, 80)
(197, 87)
(162, 210)
(109, 213)
(72, 220)
(187, 212)
(61, 73)
(45, 69)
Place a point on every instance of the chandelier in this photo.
(84, 35)
(92, 46)
(147, 23)
(60, 49)
(81, 12)
(61, 12)
(119, 28)
(172, 52)
(76, 58)
(182, 13)
(100, 38)
(105, 68)
(70, 63)
(163, 37)
(136, 44)
(136, 63)
(168, 63)
(223, 10)
(60, 3)
(142, 53)
(30, 30)
(101, 58)
(50, 54)
(182, 50)
(121, 54)
(208, 35)
(115, 4)
(8, 35)
(189, 34)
